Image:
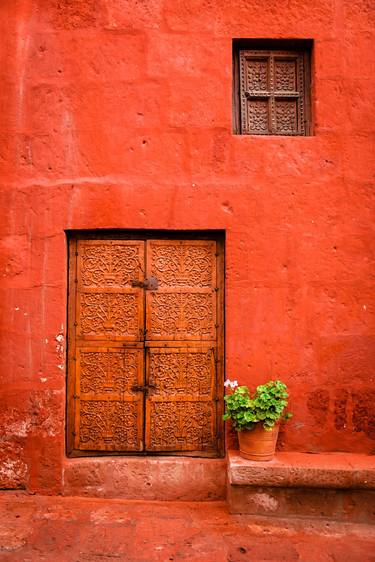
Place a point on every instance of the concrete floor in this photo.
(72, 529)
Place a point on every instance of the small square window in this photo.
(271, 87)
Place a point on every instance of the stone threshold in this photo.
(146, 478)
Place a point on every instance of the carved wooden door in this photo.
(144, 347)
(105, 353)
(181, 346)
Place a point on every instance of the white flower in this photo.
(232, 384)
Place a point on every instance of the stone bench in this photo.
(334, 485)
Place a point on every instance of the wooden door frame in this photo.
(73, 236)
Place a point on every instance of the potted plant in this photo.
(257, 417)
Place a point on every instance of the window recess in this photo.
(271, 89)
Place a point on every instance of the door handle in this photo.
(150, 283)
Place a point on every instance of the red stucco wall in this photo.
(117, 114)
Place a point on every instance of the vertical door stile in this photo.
(144, 351)
(71, 402)
(220, 352)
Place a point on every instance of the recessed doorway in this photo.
(146, 324)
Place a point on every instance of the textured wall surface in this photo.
(117, 114)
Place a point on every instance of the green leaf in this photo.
(267, 405)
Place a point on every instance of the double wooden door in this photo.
(145, 353)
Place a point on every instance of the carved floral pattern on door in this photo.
(110, 371)
(175, 265)
(182, 315)
(108, 425)
(109, 314)
(188, 373)
(180, 426)
(106, 265)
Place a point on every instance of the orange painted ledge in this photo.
(304, 470)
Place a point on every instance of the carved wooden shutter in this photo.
(272, 92)
(181, 346)
(105, 347)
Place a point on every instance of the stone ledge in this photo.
(304, 470)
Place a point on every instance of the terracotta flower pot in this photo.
(258, 444)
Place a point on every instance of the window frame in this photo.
(262, 48)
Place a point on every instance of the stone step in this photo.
(146, 478)
(337, 486)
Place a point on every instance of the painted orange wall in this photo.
(117, 114)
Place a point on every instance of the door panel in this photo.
(180, 412)
(180, 315)
(109, 263)
(179, 426)
(182, 263)
(108, 306)
(184, 305)
(181, 372)
(109, 410)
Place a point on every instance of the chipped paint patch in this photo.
(60, 350)
(18, 429)
(11, 471)
(265, 501)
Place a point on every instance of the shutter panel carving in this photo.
(272, 93)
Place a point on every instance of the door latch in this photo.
(150, 283)
(142, 387)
